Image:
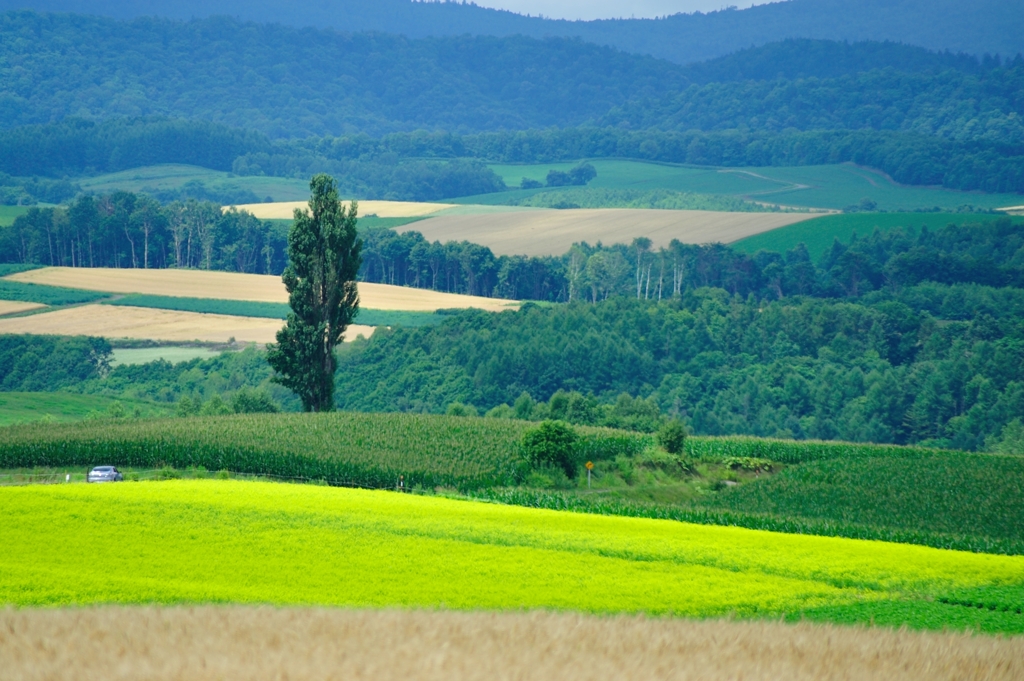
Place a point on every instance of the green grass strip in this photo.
(7, 269)
(46, 295)
(247, 308)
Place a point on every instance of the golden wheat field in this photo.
(234, 286)
(240, 643)
(114, 321)
(553, 232)
(382, 209)
(15, 306)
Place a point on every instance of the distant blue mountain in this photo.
(976, 26)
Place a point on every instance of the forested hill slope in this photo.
(980, 26)
(799, 58)
(293, 83)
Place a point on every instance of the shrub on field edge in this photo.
(672, 436)
(460, 409)
(552, 443)
(254, 401)
(215, 406)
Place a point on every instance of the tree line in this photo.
(427, 166)
(909, 157)
(989, 254)
(129, 230)
(135, 231)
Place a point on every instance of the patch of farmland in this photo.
(172, 176)
(428, 450)
(235, 286)
(227, 541)
(13, 307)
(381, 209)
(888, 493)
(826, 186)
(307, 644)
(552, 232)
(8, 214)
(167, 353)
(969, 494)
(111, 321)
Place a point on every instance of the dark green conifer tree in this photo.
(324, 259)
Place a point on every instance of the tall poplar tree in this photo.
(324, 258)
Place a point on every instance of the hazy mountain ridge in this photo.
(296, 82)
(289, 82)
(982, 26)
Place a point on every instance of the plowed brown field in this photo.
(237, 643)
(553, 232)
(13, 306)
(114, 321)
(234, 286)
(382, 209)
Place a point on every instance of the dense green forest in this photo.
(290, 83)
(887, 368)
(133, 230)
(922, 117)
(984, 26)
(952, 104)
(293, 83)
(875, 369)
(906, 336)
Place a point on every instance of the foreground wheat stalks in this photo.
(265, 643)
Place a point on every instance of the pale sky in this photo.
(612, 9)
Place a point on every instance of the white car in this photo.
(104, 474)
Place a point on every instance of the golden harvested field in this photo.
(234, 286)
(113, 321)
(553, 232)
(382, 209)
(242, 643)
(13, 306)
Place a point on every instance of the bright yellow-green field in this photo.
(248, 542)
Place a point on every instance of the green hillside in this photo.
(171, 178)
(20, 408)
(818, 234)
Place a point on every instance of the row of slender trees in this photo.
(133, 231)
(127, 230)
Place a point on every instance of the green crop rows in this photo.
(962, 496)
(369, 450)
(792, 451)
(930, 497)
